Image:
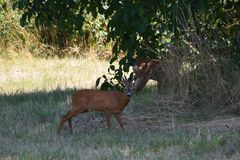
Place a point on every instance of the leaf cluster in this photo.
(140, 28)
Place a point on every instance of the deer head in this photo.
(128, 86)
(142, 71)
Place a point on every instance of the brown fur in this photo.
(109, 102)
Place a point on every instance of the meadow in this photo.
(35, 93)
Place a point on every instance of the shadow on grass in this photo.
(29, 121)
(27, 110)
(58, 94)
(19, 97)
(146, 110)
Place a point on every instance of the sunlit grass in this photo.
(28, 75)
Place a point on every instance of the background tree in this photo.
(140, 28)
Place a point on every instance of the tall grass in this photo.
(17, 41)
(199, 72)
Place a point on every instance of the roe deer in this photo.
(109, 102)
(162, 70)
(144, 69)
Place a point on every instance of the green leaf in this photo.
(122, 61)
(15, 5)
(104, 76)
(112, 67)
(126, 67)
(37, 19)
(113, 59)
(106, 86)
(23, 19)
(79, 21)
(98, 81)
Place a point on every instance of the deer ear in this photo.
(131, 77)
(124, 80)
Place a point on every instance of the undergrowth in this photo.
(27, 41)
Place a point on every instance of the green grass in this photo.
(27, 75)
(35, 93)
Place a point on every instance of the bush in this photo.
(49, 41)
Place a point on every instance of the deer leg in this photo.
(108, 117)
(65, 118)
(70, 125)
(119, 119)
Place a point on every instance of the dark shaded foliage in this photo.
(140, 28)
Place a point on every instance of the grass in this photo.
(35, 93)
(26, 75)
